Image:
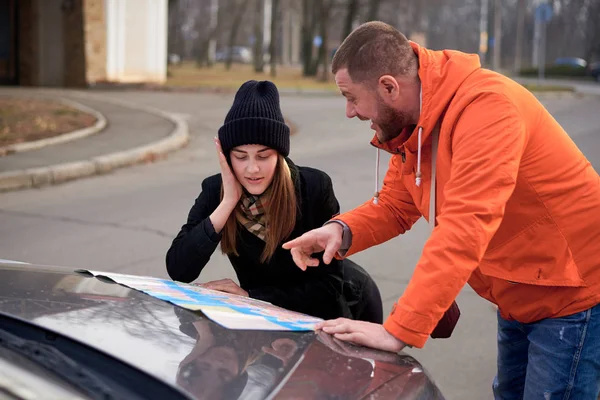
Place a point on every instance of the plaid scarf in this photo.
(252, 215)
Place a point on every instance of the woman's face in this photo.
(254, 166)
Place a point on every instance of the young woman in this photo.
(260, 200)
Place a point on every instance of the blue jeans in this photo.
(552, 359)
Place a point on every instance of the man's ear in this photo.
(388, 87)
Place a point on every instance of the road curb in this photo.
(62, 138)
(60, 173)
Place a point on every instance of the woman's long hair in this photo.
(281, 212)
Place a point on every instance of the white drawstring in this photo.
(376, 197)
(418, 175)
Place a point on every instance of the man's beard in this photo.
(391, 122)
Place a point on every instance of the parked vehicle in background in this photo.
(239, 54)
(567, 67)
(174, 59)
(571, 61)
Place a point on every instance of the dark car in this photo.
(65, 334)
(594, 70)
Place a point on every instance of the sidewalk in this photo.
(133, 134)
(579, 86)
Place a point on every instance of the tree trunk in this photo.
(258, 53)
(324, 48)
(316, 18)
(274, 37)
(174, 28)
(497, 51)
(306, 37)
(521, 10)
(592, 32)
(350, 17)
(202, 59)
(214, 25)
(233, 33)
(374, 10)
(207, 43)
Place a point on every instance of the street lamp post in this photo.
(483, 31)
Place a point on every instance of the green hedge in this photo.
(556, 70)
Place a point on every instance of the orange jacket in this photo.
(518, 205)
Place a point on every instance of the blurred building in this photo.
(81, 42)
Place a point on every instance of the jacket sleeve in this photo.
(487, 146)
(196, 241)
(373, 224)
(320, 293)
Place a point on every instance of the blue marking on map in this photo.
(215, 300)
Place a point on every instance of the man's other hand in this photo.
(363, 333)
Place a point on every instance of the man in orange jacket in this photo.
(517, 205)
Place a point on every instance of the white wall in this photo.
(136, 40)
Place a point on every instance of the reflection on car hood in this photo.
(191, 352)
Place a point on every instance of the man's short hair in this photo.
(372, 50)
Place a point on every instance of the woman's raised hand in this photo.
(232, 189)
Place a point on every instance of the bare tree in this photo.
(497, 34)
(214, 23)
(566, 29)
(174, 24)
(240, 10)
(592, 31)
(208, 41)
(441, 24)
(323, 58)
(373, 10)
(449, 24)
(309, 28)
(521, 11)
(352, 10)
(258, 55)
(187, 22)
(274, 37)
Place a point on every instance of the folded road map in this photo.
(228, 310)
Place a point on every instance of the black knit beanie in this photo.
(255, 118)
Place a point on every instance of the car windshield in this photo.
(21, 375)
(93, 374)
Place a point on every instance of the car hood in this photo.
(189, 351)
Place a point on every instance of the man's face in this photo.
(388, 116)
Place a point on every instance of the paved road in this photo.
(125, 221)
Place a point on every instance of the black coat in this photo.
(318, 291)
